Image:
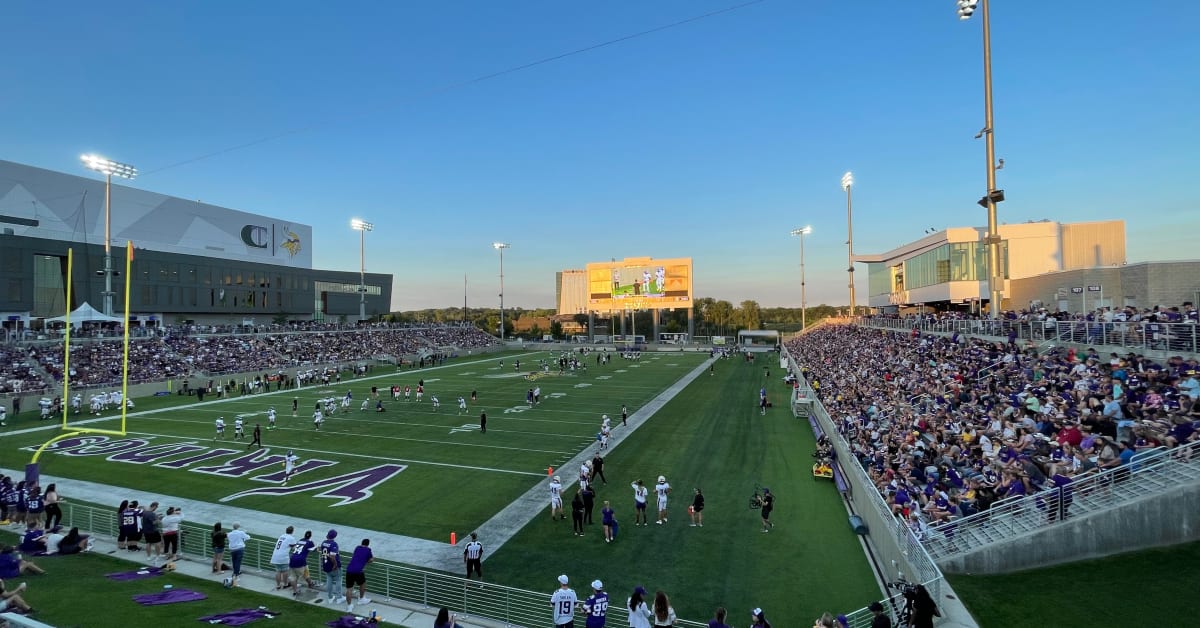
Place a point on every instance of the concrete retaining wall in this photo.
(1161, 519)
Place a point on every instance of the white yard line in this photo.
(405, 549)
(220, 443)
(229, 441)
(57, 425)
(500, 529)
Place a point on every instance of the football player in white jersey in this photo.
(662, 489)
(220, 423)
(605, 432)
(556, 504)
(585, 475)
(318, 419)
(462, 405)
(639, 503)
(289, 466)
(271, 418)
(239, 428)
(76, 402)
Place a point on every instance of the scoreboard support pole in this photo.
(691, 324)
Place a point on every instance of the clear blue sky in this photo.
(712, 140)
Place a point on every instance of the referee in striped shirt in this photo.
(473, 556)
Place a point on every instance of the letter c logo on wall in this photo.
(255, 236)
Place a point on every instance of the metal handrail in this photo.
(1010, 518)
(388, 580)
(1175, 338)
(902, 543)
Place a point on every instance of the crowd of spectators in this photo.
(1168, 328)
(98, 363)
(183, 351)
(948, 425)
(461, 336)
(221, 355)
(346, 346)
(17, 372)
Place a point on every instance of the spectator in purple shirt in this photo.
(719, 620)
(355, 574)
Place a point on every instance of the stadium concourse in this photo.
(948, 425)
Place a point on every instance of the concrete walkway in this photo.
(393, 612)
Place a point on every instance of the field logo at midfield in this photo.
(348, 488)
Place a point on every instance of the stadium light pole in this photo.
(362, 227)
(847, 184)
(966, 8)
(109, 168)
(803, 231)
(500, 246)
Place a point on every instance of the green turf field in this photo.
(712, 437)
(445, 471)
(74, 592)
(1146, 587)
(455, 478)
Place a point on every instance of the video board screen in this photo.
(640, 283)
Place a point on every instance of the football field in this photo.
(422, 472)
(417, 470)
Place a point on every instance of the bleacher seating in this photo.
(947, 425)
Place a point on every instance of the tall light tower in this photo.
(500, 246)
(362, 227)
(803, 231)
(847, 184)
(110, 168)
(966, 8)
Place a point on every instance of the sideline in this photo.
(504, 525)
(408, 550)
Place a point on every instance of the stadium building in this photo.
(947, 269)
(192, 261)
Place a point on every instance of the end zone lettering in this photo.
(349, 488)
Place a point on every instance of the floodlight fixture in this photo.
(362, 227)
(500, 246)
(108, 166)
(802, 231)
(966, 8)
(109, 169)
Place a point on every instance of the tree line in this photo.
(713, 317)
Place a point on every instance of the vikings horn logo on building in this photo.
(292, 244)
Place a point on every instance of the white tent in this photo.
(86, 314)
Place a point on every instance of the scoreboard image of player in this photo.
(640, 283)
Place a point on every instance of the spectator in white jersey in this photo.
(564, 603)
